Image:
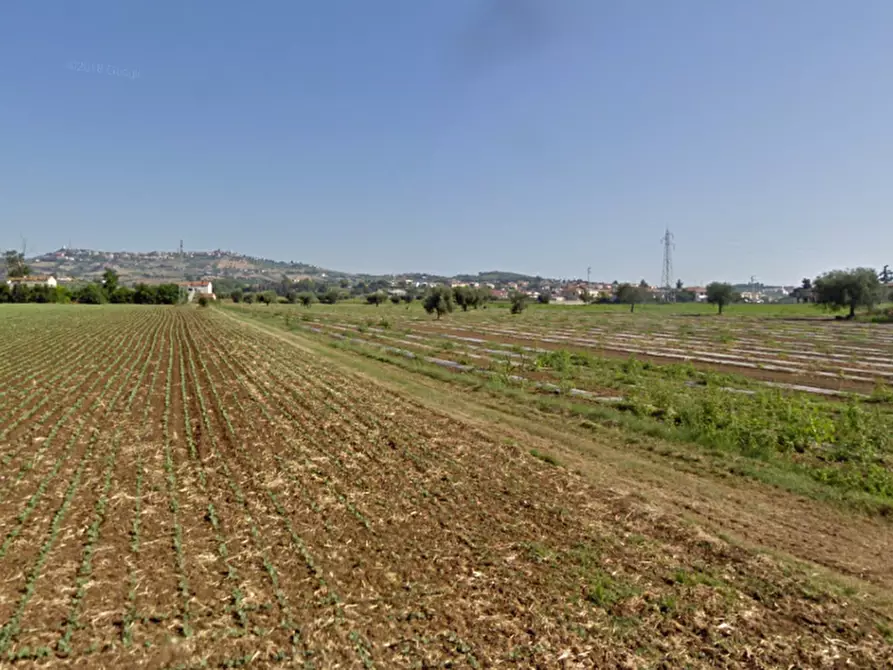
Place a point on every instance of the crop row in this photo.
(104, 404)
(70, 373)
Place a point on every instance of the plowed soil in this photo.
(198, 492)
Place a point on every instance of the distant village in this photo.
(229, 268)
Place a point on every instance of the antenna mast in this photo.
(666, 277)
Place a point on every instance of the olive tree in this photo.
(439, 300)
(306, 298)
(465, 297)
(848, 289)
(627, 294)
(376, 298)
(720, 294)
(519, 302)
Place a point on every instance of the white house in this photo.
(32, 280)
(196, 288)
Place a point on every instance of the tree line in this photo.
(105, 290)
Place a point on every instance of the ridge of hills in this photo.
(166, 266)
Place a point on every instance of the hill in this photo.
(161, 266)
(158, 266)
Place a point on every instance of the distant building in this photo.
(196, 288)
(32, 280)
(699, 291)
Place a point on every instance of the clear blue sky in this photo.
(541, 136)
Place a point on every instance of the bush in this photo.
(203, 301)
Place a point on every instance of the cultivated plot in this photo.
(184, 490)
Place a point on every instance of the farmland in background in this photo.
(803, 402)
(187, 487)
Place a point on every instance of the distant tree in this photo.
(484, 295)
(685, 296)
(720, 294)
(395, 299)
(16, 265)
(409, 296)
(248, 298)
(89, 294)
(586, 296)
(268, 297)
(330, 297)
(519, 302)
(237, 295)
(886, 275)
(20, 293)
(344, 283)
(109, 282)
(376, 298)
(60, 295)
(5, 293)
(679, 285)
(167, 294)
(285, 285)
(627, 294)
(144, 295)
(465, 297)
(848, 289)
(544, 298)
(806, 284)
(203, 301)
(39, 294)
(306, 298)
(122, 295)
(439, 300)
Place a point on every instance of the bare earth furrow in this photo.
(38, 473)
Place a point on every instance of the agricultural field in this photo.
(188, 488)
(795, 396)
